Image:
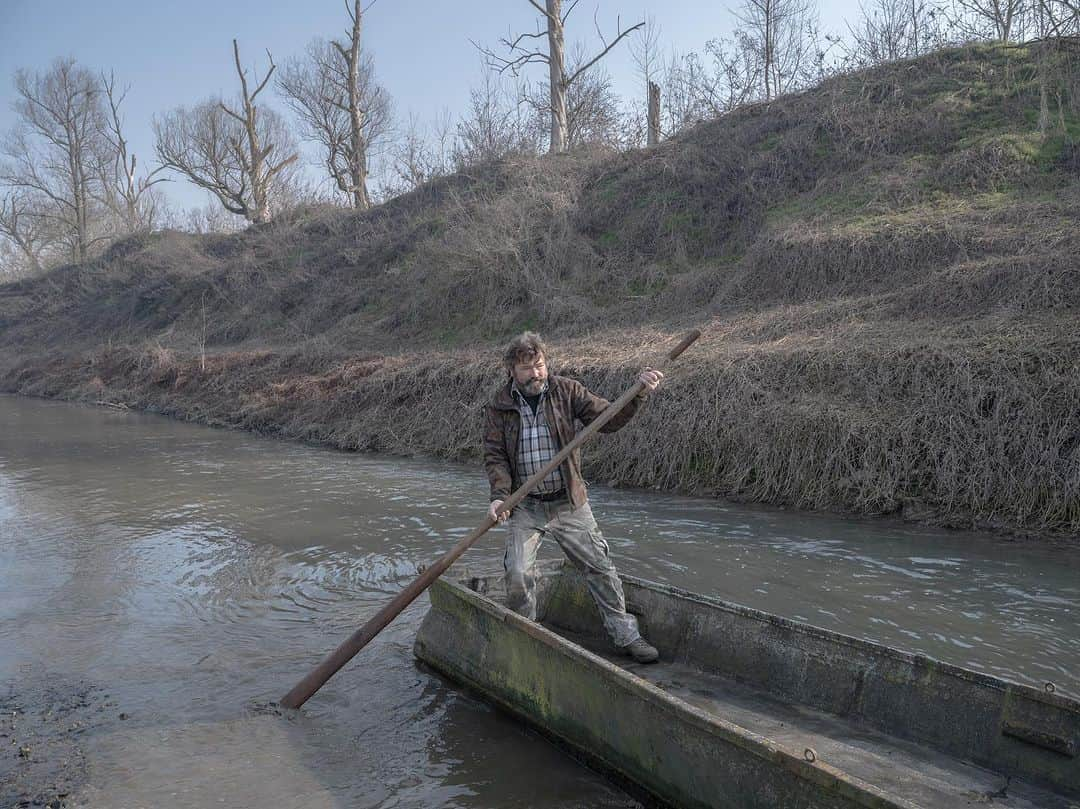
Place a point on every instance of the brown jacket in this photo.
(567, 400)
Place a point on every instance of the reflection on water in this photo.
(194, 573)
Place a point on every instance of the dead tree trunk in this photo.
(654, 114)
(560, 130)
(555, 58)
(254, 160)
(358, 162)
(128, 196)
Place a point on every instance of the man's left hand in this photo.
(650, 379)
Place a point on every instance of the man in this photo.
(527, 422)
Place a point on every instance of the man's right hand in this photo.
(495, 513)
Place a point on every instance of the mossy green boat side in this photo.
(748, 709)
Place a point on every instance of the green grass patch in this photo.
(769, 144)
(844, 204)
(646, 289)
(1055, 149)
(681, 222)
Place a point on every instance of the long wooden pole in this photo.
(303, 690)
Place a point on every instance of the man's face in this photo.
(531, 376)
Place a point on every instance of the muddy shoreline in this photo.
(45, 719)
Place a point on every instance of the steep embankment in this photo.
(886, 268)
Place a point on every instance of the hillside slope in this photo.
(887, 268)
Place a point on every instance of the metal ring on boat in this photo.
(810, 754)
(1050, 688)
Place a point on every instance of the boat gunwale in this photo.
(817, 771)
(914, 659)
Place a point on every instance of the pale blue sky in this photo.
(180, 52)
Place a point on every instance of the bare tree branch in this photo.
(57, 150)
(541, 9)
(227, 153)
(603, 53)
(559, 82)
(129, 198)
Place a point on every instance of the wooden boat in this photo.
(748, 709)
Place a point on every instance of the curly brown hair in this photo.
(526, 347)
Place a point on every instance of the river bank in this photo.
(945, 429)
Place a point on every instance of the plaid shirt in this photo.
(537, 446)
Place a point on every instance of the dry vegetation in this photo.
(886, 268)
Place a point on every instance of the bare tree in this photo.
(55, 151)
(882, 33)
(780, 31)
(653, 115)
(737, 73)
(520, 53)
(25, 230)
(645, 51)
(997, 19)
(356, 110)
(231, 154)
(1059, 18)
(682, 82)
(494, 125)
(316, 89)
(340, 107)
(129, 196)
(420, 154)
(592, 109)
(696, 90)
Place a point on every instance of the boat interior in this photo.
(925, 733)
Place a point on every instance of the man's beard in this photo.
(533, 386)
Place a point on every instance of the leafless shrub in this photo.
(995, 164)
(418, 155)
(494, 126)
(888, 30)
(28, 234)
(504, 250)
(966, 432)
(592, 106)
(781, 33)
(998, 20)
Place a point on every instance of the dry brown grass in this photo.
(965, 426)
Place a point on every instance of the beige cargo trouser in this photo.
(580, 539)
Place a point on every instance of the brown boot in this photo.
(641, 650)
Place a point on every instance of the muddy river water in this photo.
(159, 581)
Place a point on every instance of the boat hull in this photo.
(677, 753)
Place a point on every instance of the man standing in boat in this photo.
(525, 424)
